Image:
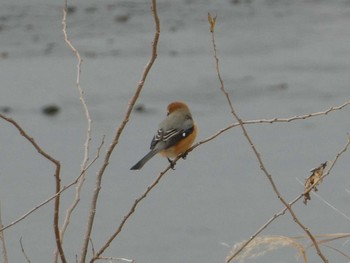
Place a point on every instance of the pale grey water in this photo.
(218, 195)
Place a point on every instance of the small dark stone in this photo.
(122, 18)
(5, 109)
(4, 54)
(71, 9)
(140, 108)
(50, 110)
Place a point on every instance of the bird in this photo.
(175, 135)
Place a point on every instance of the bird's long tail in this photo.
(144, 160)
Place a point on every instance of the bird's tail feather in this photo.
(144, 160)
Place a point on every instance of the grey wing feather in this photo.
(169, 133)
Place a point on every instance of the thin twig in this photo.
(57, 179)
(23, 251)
(64, 188)
(88, 119)
(282, 212)
(2, 240)
(338, 250)
(92, 247)
(272, 121)
(130, 213)
(327, 203)
(253, 147)
(301, 117)
(326, 238)
(80, 90)
(117, 259)
(119, 132)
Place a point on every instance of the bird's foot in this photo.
(184, 155)
(172, 164)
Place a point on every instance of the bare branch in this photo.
(301, 117)
(330, 205)
(119, 132)
(58, 182)
(80, 90)
(84, 164)
(64, 188)
(23, 251)
(282, 212)
(271, 121)
(117, 259)
(2, 240)
(252, 145)
(338, 250)
(130, 213)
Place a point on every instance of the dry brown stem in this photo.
(23, 251)
(272, 121)
(57, 179)
(130, 213)
(2, 240)
(64, 188)
(116, 140)
(252, 145)
(264, 244)
(282, 212)
(110, 259)
(88, 128)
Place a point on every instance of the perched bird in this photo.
(175, 135)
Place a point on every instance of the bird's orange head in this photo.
(177, 105)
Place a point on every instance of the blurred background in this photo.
(278, 58)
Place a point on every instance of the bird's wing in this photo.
(166, 139)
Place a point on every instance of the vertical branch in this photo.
(118, 134)
(2, 239)
(212, 22)
(57, 211)
(88, 128)
(80, 90)
(23, 251)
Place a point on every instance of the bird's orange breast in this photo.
(181, 147)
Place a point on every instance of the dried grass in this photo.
(262, 245)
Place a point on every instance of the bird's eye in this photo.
(184, 134)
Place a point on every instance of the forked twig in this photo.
(80, 90)
(272, 121)
(64, 188)
(130, 213)
(118, 134)
(253, 147)
(84, 163)
(57, 179)
(282, 212)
